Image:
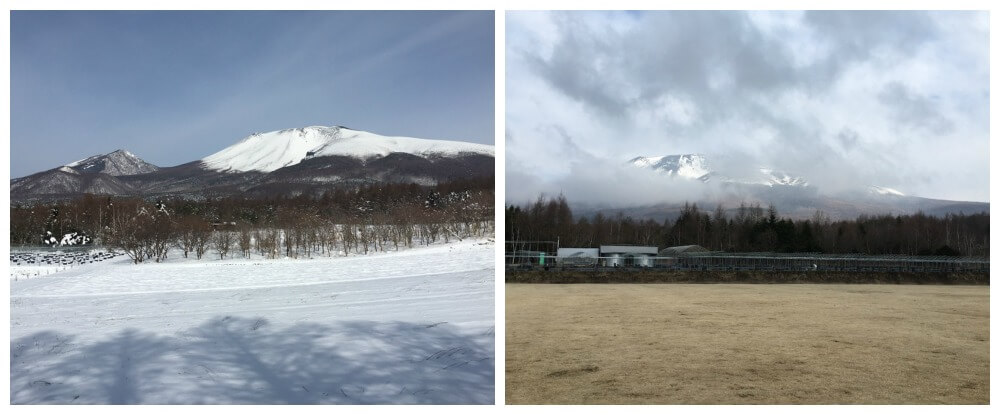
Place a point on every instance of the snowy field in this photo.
(409, 327)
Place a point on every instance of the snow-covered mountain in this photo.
(697, 166)
(116, 163)
(309, 160)
(691, 166)
(791, 194)
(100, 174)
(267, 152)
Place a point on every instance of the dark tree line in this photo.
(754, 229)
(377, 217)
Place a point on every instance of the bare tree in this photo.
(186, 234)
(202, 235)
(130, 230)
(222, 241)
(245, 240)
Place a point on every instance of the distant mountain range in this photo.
(792, 195)
(288, 162)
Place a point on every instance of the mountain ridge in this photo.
(323, 158)
(793, 195)
(116, 163)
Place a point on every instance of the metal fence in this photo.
(530, 252)
(756, 262)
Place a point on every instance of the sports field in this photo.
(746, 344)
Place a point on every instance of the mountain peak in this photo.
(266, 152)
(116, 163)
(121, 152)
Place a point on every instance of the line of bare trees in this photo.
(376, 218)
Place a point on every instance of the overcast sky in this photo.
(173, 87)
(844, 99)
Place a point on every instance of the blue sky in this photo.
(173, 87)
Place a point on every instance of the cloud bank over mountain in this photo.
(843, 99)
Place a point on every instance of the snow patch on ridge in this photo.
(773, 177)
(884, 191)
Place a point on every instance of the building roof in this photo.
(682, 249)
(579, 252)
(628, 249)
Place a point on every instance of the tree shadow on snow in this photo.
(233, 360)
(50, 368)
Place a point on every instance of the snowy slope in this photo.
(66, 180)
(409, 327)
(266, 152)
(690, 166)
(116, 163)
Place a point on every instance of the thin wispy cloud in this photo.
(176, 86)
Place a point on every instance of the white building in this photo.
(628, 256)
(578, 256)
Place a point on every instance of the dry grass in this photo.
(747, 344)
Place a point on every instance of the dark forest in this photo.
(754, 229)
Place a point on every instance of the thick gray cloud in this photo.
(845, 99)
(914, 110)
(857, 34)
(848, 138)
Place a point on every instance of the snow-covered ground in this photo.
(414, 326)
(21, 272)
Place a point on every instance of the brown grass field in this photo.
(747, 344)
